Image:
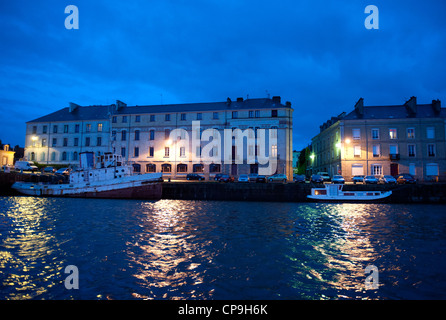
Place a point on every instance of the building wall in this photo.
(130, 135)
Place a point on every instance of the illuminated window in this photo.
(410, 133)
(357, 151)
(393, 134)
(356, 133)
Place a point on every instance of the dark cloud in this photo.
(316, 54)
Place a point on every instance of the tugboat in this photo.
(109, 177)
(334, 193)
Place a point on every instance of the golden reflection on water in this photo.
(166, 253)
(26, 263)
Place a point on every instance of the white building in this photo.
(142, 134)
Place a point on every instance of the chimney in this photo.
(411, 106)
(436, 105)
(288, 104)
(120, 105)
(276, 99)
(73, 107)
(240, 99)
(228, 102)
(359, 107)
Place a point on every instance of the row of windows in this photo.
(394, 150)
(66, 127)
(198, 116)
(393, 133)
(54, 142)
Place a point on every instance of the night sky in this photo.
(316, 54)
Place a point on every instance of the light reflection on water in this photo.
(172, 249)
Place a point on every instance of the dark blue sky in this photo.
(316, 54)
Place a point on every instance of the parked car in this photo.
(49, 170)
(299, 178)
(243, 178)
(25, 166)
(338, 179)
(63, 171)
(226, 178)
(317, 178)
(252, 177)
(387, 179)
(359, 178)
(406, 178)
(324, 176)
(194, 176)
(261, 179)
(277, 177)
(370, 180)
(217, 176)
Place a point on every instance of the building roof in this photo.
(396, 112)
(103, 112)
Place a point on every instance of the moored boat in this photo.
(109, 177)
(334, 192)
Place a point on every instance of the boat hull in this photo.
(384, 197)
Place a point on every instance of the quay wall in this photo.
(274, 192)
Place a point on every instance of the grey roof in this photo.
(104, 112)
(396, 112)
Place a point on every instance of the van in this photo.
(25, 166)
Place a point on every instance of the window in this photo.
(375, 134)
(124, 119)
(45, 129)
(412, 170)
(356, 133)
(377, 169)
(166, 152)
(274, 150)
(136, 135)
(431, 150)
(410, 133)
(430, 133)
(114, 119)
(43, 142)
(152, 135)
(99, 141)
(123, 135)
(152, 118)
(215, 115)
(199, 116)
(150, 167)
(198, 167)
(357, 151)
(274, 113)
(257, 113)
(87, 141)
(214, 167)
(166, 168)
(183, 117)
(136, 167)
(123, 151)
(392, 134)
(167, 117)
(64, 156)
(234, 114)
(151, 151)
(393, 149)
(273, 132)
(376, 150)
(65, 142)
(76, 128)
(182, 152)
(251, 113)
(182, 168)
(53, 156)
(65, 128)
(136, 152)
(54, 142)
(76, 142)
(166, 133)
(88, 128)
(411, 150)
(34, 129)
(432, 169)
(75, 155)
(55, 129)
(138, 118)
(99, 127)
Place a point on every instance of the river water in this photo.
(175, 249)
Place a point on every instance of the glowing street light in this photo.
(347, 140)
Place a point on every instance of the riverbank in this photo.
(271, 192)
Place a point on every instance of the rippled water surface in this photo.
(173, 249)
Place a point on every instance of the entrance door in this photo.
(394, 169)
(234, 169)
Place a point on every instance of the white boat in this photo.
(110, 177)
(334, 192)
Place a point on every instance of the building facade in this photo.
(384, 140)
(173, 139)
